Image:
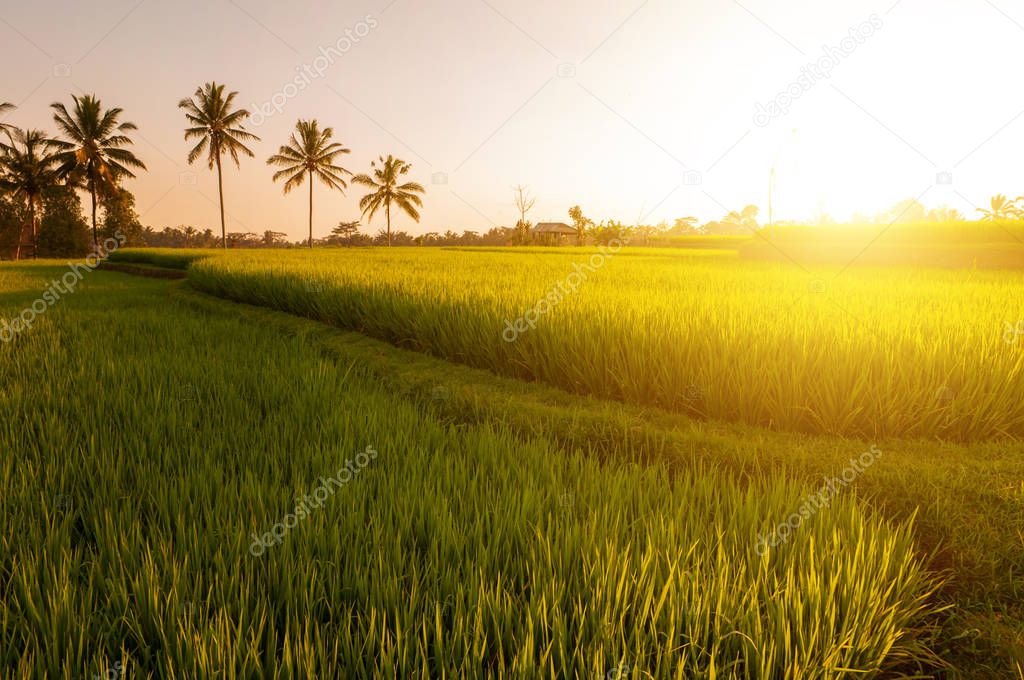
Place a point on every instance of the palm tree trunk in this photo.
(220, 191)
(21, 230)
(310, 208)
(95, 238)
(387, 211)
(35, 237)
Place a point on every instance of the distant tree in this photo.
(907, 211)
(311, 153)
(523, 229)
(498, 236)
(684, 226)
(746, 217)
(119, 216)
(219, 129)
(148, 236)
(581, 224)
(741, 222)
(94, 154)
(29, 165)
(346, 229)
(386, 190)
(346, 233)
(944, 214)
(63, 231)
(274, 238)
(607, 232)
(524, 202)
(239, 239)
(13, 215)
(430, 238)
(1000, 208)
(646, 232)
(398, 238)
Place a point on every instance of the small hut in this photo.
(553, 233)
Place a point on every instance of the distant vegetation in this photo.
(986, 244)
(92, 154)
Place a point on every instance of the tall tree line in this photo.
(91, 153)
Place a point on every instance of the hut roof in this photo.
(553, 228)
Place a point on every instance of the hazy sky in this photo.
(629, 108)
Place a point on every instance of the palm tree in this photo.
(94, 153)
(387, 190)
(4, 108)
(218, 129)
(29, 165)
(310, 152)
(1000, 208)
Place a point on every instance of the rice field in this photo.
(859, 352)
(139, 495)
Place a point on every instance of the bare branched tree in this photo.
(524, 202)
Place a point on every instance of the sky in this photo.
(640, 111)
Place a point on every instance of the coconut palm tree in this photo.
(4, 108)
(93, 155)
(386, 190)
(310, 152)
(1000, 208)
(219, 130)
(29, 164)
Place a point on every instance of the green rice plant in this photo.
(171, 258)
(148, 443)
(966, 499)
(863, 352)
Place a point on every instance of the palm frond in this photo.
(95, 147)
(211, 118)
